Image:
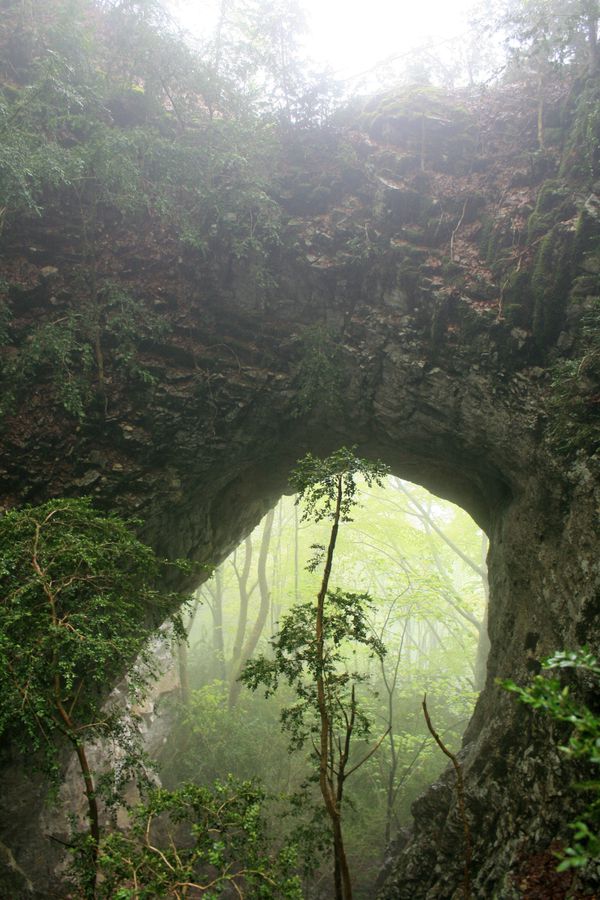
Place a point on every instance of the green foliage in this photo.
(547, 35)
(112, 106)
(316, 482)
(294, 659)
(54, 347)
(574, 422)
(69, 351)
(109, 120)
(206, 840)
(319, 370)
(80, 598)
(553, 697)
(211, 739)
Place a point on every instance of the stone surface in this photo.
(420, 367)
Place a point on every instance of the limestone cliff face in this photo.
(407, 309)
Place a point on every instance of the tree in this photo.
(550, 33)
(309, 648)
(79, 601)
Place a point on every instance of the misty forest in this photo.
(299, 450)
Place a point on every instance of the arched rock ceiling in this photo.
(381, 326)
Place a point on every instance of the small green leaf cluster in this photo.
(55, 347)
(552, 697)
(319, 369)
(210, 840)
(315, 480)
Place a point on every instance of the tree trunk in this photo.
(296, 554)
(263, 612)
(90, 792)
(93, 815)
(183, 669)
(217, 614)
(183, 657)
(341, 871)
(242, 580)
(592, 33)
(483, 647)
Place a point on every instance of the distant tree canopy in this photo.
(552, 32)
(86, 82)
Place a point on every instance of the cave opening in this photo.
(422, 561)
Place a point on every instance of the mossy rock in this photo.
(584, 286)
(485, 237)
(542, 163)
(412, 102)
(396, 165)
(427, 119)
(438, 231)
(553, 204)
(521, 178)
(591, 262)
(409, 276)
(553, 137)
(550, 284)
(518, 299)
(495, 238)
(451, 270)
(480, 289)
(551, 194)
(539, 224)
(414, 249)
(309, 196)
(587, 233)
(472, 324)
(319, 198)
(404, 206)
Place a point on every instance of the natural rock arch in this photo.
(397, 349)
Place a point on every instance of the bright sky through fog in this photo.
(354, 36)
